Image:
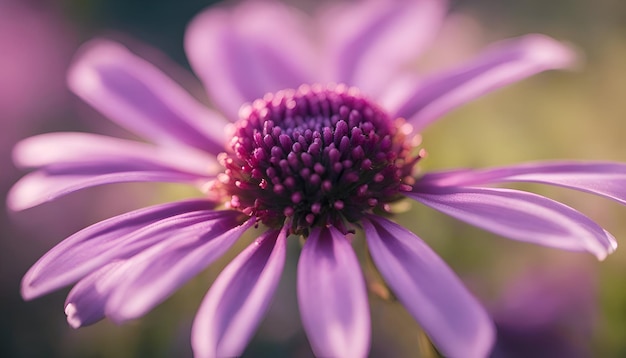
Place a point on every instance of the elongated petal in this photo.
(332, 297)
(369, 41)
(119, 237)
(454, 320)
(606, 179)
(92, 150)
(239, 298)
(139, 97)
(521, 216)
(244, 53)
(160, 270)
(503, 64)
(42, 186)
(86, 301)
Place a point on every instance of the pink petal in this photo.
(161, 269)
(139, 97)
(42, 186)
(96, 150)
(431, 292)
(245, 52)
(521, 216)
(369, 41)
(85, 302)
(606, 179)
(119, 237)
(503, 64)
(239, 298)
(332, 296)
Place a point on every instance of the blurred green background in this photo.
(573, 115)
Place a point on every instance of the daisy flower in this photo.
(315, 138)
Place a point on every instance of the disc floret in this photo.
(317, 155)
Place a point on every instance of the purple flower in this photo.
(292, 154)
(547, 313)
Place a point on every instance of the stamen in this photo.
(317, 155)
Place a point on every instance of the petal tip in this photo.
(28, 290)
(16, 202)
(73, 318)
(26, 193)
(82, 75)
(550, 52)
(601, 255)
(27, 293)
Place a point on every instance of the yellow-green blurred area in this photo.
(578, 114)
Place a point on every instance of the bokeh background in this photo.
(546, 303)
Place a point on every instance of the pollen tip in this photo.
(296, 197)
(316, 208)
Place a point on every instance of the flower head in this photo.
(315, 156)
(317, 152)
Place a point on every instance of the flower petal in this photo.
(42, 186)
(455, 321)
(607, 179)
(161, 269)
(118, 237)
(503, 64)
(239, 298)
(94, 150)
(332, 296)
(520, 216)
(85, 302)
(369, 41)
(244, 53)
(139, 97)
(74, 161)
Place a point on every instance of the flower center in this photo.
(315, 156)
